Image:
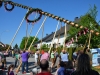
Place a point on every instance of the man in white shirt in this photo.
(36, 57)
(64, 57)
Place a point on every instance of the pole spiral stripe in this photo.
(51, 15)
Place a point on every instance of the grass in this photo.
(96, 68)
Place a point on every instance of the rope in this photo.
(89, 40)
(33, 41)
(30, 33)
(54, 37)
(65, 36)
(38, 32)
(59, 35)
(16, 33)
(85, 46)
(42, 36)
(26, 35)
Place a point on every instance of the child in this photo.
(10, 70)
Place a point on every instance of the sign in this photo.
(95, 56)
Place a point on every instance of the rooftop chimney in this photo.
(46, 34)
(52, 32)
(75, 18)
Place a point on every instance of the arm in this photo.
(56, 73)
(29, 50)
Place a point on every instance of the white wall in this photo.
(39, 44)
(61, 41)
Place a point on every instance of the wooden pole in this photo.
(59, 36)
(42, 37)
(89, 40)
(65, 37)
(30, 33)
(26, 36)
(53, 37)
(32, 42)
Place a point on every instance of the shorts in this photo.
(52, 60)
(3, 60)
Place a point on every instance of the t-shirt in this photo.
(75, 54)
(52, 55)
(56, 54)
(36, 55)
(61, 71)
(44, 73)
(17, 56)
(25, 56)
(11, 73)
(45, 56)
(42, 52)
(64, 57)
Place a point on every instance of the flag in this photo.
(84, 32)
(79, 34)
(70, 42)
(67, 44)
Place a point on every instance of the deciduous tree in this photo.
(24, 39)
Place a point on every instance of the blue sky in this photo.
(68, 9)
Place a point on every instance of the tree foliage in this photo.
(93, 11)
(44, 46)
(88, 20)
(23, 42)
(16, 46)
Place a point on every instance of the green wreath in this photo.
(9, 2)
(1, 3)
(29, 12)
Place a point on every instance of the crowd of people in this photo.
(80, 65)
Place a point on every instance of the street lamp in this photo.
(2, 33)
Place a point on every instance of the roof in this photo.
(77, 20)
(60, 31)
(2, 44)
(46, 37)
(50, 36)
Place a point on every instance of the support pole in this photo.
(89, 40)
(64, 45)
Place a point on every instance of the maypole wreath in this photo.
(9, 2)
(46, 14)
(1, 3)
(31, 11)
